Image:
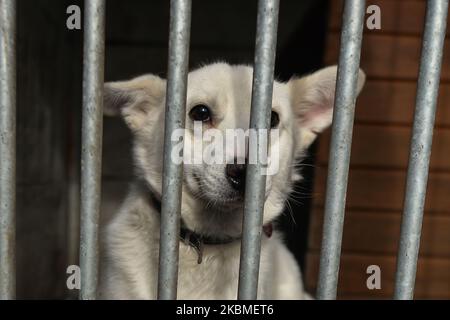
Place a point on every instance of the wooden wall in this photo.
(382, 131)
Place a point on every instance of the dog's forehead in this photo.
(221, 77)
(230, 81)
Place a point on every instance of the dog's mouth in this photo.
(220, 197)
(224, 201)
(231, 201)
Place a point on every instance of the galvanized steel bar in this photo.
(7, 149)
(261, 107)
(419, 157)
(341, 140)
(179, 37)
(92, 130)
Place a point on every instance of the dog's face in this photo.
(218, 105)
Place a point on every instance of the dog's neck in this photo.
(192, 238)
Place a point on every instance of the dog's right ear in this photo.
(313, 100)
(134, 99)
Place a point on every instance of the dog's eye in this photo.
(274, 119)
(200, 113)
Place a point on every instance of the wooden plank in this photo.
(384, 190)
(387, 56)
(388, 147)
(433, 276)
(383, 118)
(379, 233)
(401, 17)
(393, 102)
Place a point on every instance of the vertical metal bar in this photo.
(92, 130)
(341, 140)
(261, 107)
(179, 37)
(7, 149)
(419, 157)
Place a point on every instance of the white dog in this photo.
(219, 95)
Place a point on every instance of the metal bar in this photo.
(7, 149)
(341, 140)
(419, 157)
(92, 130)
(179, 37)
(261, 107)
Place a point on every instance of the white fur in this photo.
(130, 264)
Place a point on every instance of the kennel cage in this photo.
(180, 12)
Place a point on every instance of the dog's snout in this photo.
(235, 174)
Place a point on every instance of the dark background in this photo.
(49, 105)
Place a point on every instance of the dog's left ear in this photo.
(313, 99)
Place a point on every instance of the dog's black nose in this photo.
(235, 174)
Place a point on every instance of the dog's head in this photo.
(217, 110)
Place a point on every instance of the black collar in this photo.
(196, 240)
(190, 237)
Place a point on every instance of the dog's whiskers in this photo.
(291, 213)
(302, 165)
(301, 195)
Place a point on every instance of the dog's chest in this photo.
(217, 276)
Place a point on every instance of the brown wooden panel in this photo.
(397, 16)
(388, 147)
(433, 276)
(384, 189)
(379, 233)
(393, 102)
(388, 56)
